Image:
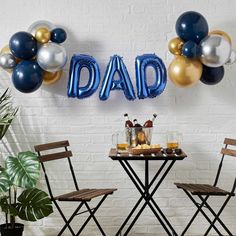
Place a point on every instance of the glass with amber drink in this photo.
(120, 140)
(173, 139)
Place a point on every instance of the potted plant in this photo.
(18, 194)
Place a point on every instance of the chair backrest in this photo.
(226, 151)
(52, 156)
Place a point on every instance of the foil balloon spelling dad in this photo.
(141, 65)
(200, 54)
(116, 66)
(35, 56)
(78, 62)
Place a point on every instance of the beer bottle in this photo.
(149, 123)
(136, 124)
(128, 122)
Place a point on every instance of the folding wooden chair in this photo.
(83, 196)
(204, 191)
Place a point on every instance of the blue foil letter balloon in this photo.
(116, 64)
(141, 64)
(77, 63)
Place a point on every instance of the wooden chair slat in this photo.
(99, 192)
(55, 156)
(48, 146)
(228, 152)
(84, 194)
(230, 141)
(202, 189)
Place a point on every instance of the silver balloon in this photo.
(51, 57)
(232, 58)
(216, 51)
(7, 61)
(40, 24)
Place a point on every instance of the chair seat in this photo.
(84, 194)
(202, 189)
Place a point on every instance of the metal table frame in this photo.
(144, 187)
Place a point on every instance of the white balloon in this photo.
(40, 24)
(215, 51)
(51, 57)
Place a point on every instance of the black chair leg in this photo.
(95, 220)
(194, 216)
(217, 216)
(204, 214)
(91, 215)
(64, 218)
(70, 219)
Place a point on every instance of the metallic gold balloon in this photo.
(185, 72)
(51, 78)
(175, 46)
(40, 24)
(221, 33)
(5, 49)
(42, 35)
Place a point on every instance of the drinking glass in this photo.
(173, 139)
(120, 140)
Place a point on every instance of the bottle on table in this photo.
(149, 123)
(136, 124)
(128, 122)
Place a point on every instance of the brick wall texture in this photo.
(204, 114)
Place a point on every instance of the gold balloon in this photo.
(51, 78)
(5, 49)
(175, 46)
(221, 33)
(185, 72)
(42, 35)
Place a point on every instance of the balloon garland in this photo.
(35, 57)
(199, 54)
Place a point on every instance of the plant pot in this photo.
(8, 231)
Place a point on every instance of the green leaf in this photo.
(5, 182)
(34, 204)
(7, 112)
(23, 170)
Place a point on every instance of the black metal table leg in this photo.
(143, 207)
(146, 195)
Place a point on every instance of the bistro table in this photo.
(144, 188)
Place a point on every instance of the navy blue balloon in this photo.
(58, 35)
(191, 50)
(116, 65)
(77, 63)
(27, 76)
(191, 26)
(141, 64)
(212, 75)
(23, 45)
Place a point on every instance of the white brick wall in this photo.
(204, 114)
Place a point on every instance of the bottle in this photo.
(149, 123)
(128, 122)
(136, 124)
